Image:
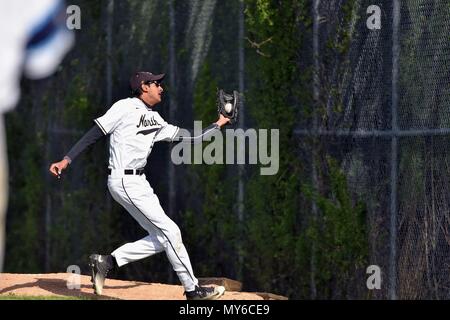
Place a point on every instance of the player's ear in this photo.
(144, 87)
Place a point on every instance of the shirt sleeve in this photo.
(89, 138)
(111, 119)
(167, 132)
(187, 136)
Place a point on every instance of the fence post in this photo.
(316, 93)
(394, 152)
(241, 124)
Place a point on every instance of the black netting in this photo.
(355, 73)
(402, 175)
(423, 220)
(424, 65)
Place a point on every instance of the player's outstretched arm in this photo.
(189, 137)
(228, 108)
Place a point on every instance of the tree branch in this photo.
(257, 46)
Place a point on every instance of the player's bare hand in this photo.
(222, 120)
(57, 167)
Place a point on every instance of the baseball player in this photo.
(33, 41)
(134, 127)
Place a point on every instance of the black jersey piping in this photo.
(101, 127)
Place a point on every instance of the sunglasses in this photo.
(157, 83)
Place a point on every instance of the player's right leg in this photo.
(129, 252)
(100, 266)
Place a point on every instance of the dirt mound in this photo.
(56, 284)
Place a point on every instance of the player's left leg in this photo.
(134, 251)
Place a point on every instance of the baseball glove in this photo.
(228, 105)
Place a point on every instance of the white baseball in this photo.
(228, 107)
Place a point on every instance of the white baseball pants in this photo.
(136, 195)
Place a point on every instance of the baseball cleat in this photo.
(100, 265)
(205, 293)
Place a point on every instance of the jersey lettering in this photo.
(145, 123)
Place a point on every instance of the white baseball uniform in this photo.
(33, 41)
(133, 129)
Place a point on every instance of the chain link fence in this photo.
(382, 100)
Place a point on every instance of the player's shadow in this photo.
(59, 287)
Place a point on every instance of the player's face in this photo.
(152, 93)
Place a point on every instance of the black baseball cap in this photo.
(143, 76)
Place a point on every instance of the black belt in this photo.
(131, 171)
